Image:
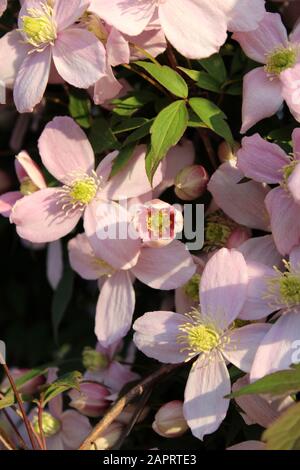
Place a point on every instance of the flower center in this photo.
(281, 59)
(80, 191)
(50, 425)
(28, 187)
(197, 337)
(191, 288)
(285, 287)
(39, 27)
(93, 360)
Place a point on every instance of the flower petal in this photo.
(65, 149)
(40, 219)
(25, 166)
(223, 287)
(83, 259)
(115, 308)
(156, 335)
(7, 201)
(55, 263)
(165, 268)
(75, 428)
(79, 57)
(204, 404)
(261, 250)
(66, 14)
(12, 54)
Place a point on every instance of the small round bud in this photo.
(90, 400)
(50, 425)
(191, 182)
(93, 360)
(169, 420)
(109, 437)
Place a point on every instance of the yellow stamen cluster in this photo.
(281, 59)
(81, 190)
(39, 27)
(284, 288)
(191, 288)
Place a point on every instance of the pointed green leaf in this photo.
(284, 432)
(167, 77)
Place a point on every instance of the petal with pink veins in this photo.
(40, 219)
(67, 13)
(12, 54)
(244, 15)
(156, 335)
(261, 250)
(115, 308)
(204, 404)
(65, 149)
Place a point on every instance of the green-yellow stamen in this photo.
(83, 190)
(50, 425)
(39, 27)
(281, 59)
(28, 187)
(93, 360)
(217, 233)
(198, 338)
(191, 288)
(285, 287)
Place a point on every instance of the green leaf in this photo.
(284, 432)
(61, 298)
(202, 79)
(61, 385)
(102, 137)
(236, 89)
(129, 125)
(80, 108)
(166, 131)
(122, 159)
(284, 382)
(10, 398)
(215, 66)
(7, 401)
(213, 117)
(139, 133)
(167, 77)
(131, 104)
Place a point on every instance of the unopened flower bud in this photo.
(50, 425)
(226, 152)
(109, 437)
(93, 360)
(191, 182)
(169, 420)
(90, 400)
(158, 223)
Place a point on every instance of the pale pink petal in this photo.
(296, 143)
(152, 39)
(54, 263)
(30, 168)
(117, 49)
(295, 259)
(262, 97)
(132, 181)
(31, 80)
(65, 149)
(223, 287)
(156, 335)
(290, 80)
(40, 219)
(79, 57)
(279, 346)
(180, 23)
(7, 201)
(243, 344)
(75, 428)
(244, 15)
(295, 34)
(261, 250)
(67, 13)
(3, 6)
(261, 160)
(118, 375)
(293, 184)
(55, 442)
(129, 16)
(107, 227)
(165, 268)
(234, 198)
(83, 259)
(285, 220)
(204, 404)
(261, 41)
(115, 308)
(107, 88)
(12, 54)
(257, 305)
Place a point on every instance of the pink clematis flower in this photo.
(103, 366)
(30, 178)
(51, 213)
(3, 6)
(118, 262)
(265, 88)
(180, 20)
(207, 334)
(48, 32)
(268, 163)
